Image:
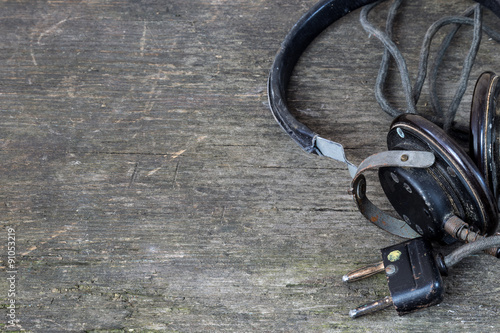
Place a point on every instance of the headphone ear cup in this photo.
(485, 129)
(453, 185)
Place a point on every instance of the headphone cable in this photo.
(412, 95)
(470, 248)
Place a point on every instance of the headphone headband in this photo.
(317, 19)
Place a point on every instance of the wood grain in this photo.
(151, 190)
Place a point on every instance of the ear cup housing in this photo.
(417, 195)
(425, 198)
(484, 129)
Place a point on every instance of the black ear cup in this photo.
(467, 186)
(426, 198)
(484, 129)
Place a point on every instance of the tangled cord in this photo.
(412, 94)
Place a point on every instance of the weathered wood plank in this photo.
(150, 188)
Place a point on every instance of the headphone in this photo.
(441, 192)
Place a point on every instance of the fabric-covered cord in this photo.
(424, 55)
(384, 64)
(434, 100)
(466, 69)
(466, 250)
(396, 54)
(433, 96)
(413, 94)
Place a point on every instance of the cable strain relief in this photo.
(443, 269)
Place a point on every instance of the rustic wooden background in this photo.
(150, 189)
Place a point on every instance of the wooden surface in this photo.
(150, 189)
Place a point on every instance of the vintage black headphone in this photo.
(440, 192)
(423, 166)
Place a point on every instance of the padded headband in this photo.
(317, 19)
